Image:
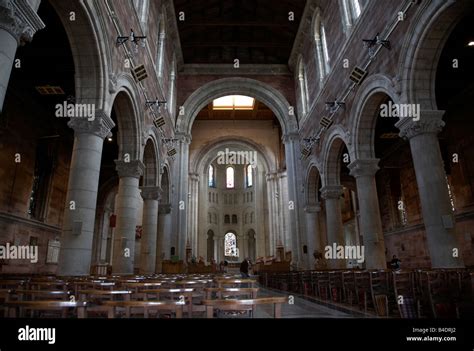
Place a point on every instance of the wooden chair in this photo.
(244, 305)
(223, 293)
(113, 307)
(184, 296)
(16, 308)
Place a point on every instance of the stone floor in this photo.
(302, 309)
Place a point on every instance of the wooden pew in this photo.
(173, 306)
(244, 305)
(15, 308)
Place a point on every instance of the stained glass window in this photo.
(230, 181)
(230, 245)
(212, 177)
(249, 176)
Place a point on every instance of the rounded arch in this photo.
(422, 50)
(333, 146)
(313, 184)
(124, 103)
(237, 86)
(150, 160)
(374, 91)
(204, 158)
(88, 50)
(165, 186)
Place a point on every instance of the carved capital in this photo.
(431, 122)
(183, 138)
(151, 193)
(100, 126)
(332, 192)
(133, 169)
(364, 168)
(20, 20)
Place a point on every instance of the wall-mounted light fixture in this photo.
(137, 40)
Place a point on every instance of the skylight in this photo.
(234, 102)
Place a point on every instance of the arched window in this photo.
(234, 219)
(161, 46)
(142, 6)
(303, 86)
(230, 245)
(226, 219)
(212, 177)
(322, 53)
(172, 87)
(230, 178)
(351, 11)
(249, 176)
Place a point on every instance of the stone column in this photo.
(273, 235)
(163, 246)
(313, 232)
(335, 230)
(81, 200)
(370, 224)
(151, 196)
(127, 212)
(295, 181)
(183, 190)
(193, 222)
(433, 189)
(18, 24)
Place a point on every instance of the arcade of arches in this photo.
(255, 135)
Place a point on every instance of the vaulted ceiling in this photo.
(253, 31)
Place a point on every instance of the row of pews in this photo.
(158, 296)
(383, 293)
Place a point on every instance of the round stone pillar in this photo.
(436, 204)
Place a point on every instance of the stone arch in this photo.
(313, 183)
(337, 137)
(165, 186)
(204, 158)
(373, 92)
(237, 86)
(422, 50)
(127, 112)
(150, 160)
(88, 50)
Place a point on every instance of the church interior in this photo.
(236, 159)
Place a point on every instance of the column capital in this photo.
(164, 209)
(101, 125)
(151, 193)
(364, 168)
(183, 137)
(316, 208)
(20, 20)
(431, 122)
(194, 177)
(291, 136)
(133, 169)
(333, 192)
(271, 176)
